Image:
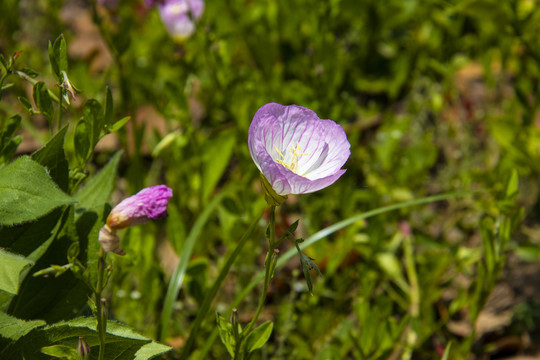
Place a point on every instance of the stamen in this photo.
(295, 154)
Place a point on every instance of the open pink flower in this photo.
(179, 16)
(296, 151)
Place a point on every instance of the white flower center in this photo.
(291, 161)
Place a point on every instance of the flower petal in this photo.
(295, 150)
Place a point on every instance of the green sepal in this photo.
(271, 197)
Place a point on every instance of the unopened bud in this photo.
(83, 348)
(149, 203)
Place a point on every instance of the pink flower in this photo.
(297, 152)
(179, 16)
(149, 203)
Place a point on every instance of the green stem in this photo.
(100, 311)
(59, 116)
(205, 306)
(414, 308)
(268, 267)
(321, 234)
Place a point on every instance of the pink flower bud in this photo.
(149, 203)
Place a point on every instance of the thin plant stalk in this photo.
(59, 115)
(269, 264)
(414, 308)
(321, 234)
(180, 271)
(205, 306)
(100, 305)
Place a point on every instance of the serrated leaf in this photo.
(11, 328)
(11, 271)
(98, 189)
(27, 200)
(53, 158)
(52, 299)
(43, 101)
(259, 336)
(122, 342)
(24, 239)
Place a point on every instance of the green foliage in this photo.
(259, 336)
(435, 97)
(36, 196)
(122, 341)
(11, 269)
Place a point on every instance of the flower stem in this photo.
(100, 305)
(59, 116)
(205, 306)
(269, 266)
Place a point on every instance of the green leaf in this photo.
(26, 103)
(58, 57)
(27, 200)
(512, 185)
(108, 109)
(93, 116)
(88, 225)
(122, 343)
(11, 269)
(25, 238)
(11, 328)
(98, 189)
(52, 299)
(259, 336)
(43, 101)
(9, 150)
(53, 158)
(118, 125)
(62, 352)
(226, 334)
(29, 72)
(216, 157)
(81, 142)
(88, 130)
(289, 233)
(151, 350)
(10, 127)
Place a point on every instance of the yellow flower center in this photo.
(295, 153)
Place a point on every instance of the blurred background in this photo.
(435, 96)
